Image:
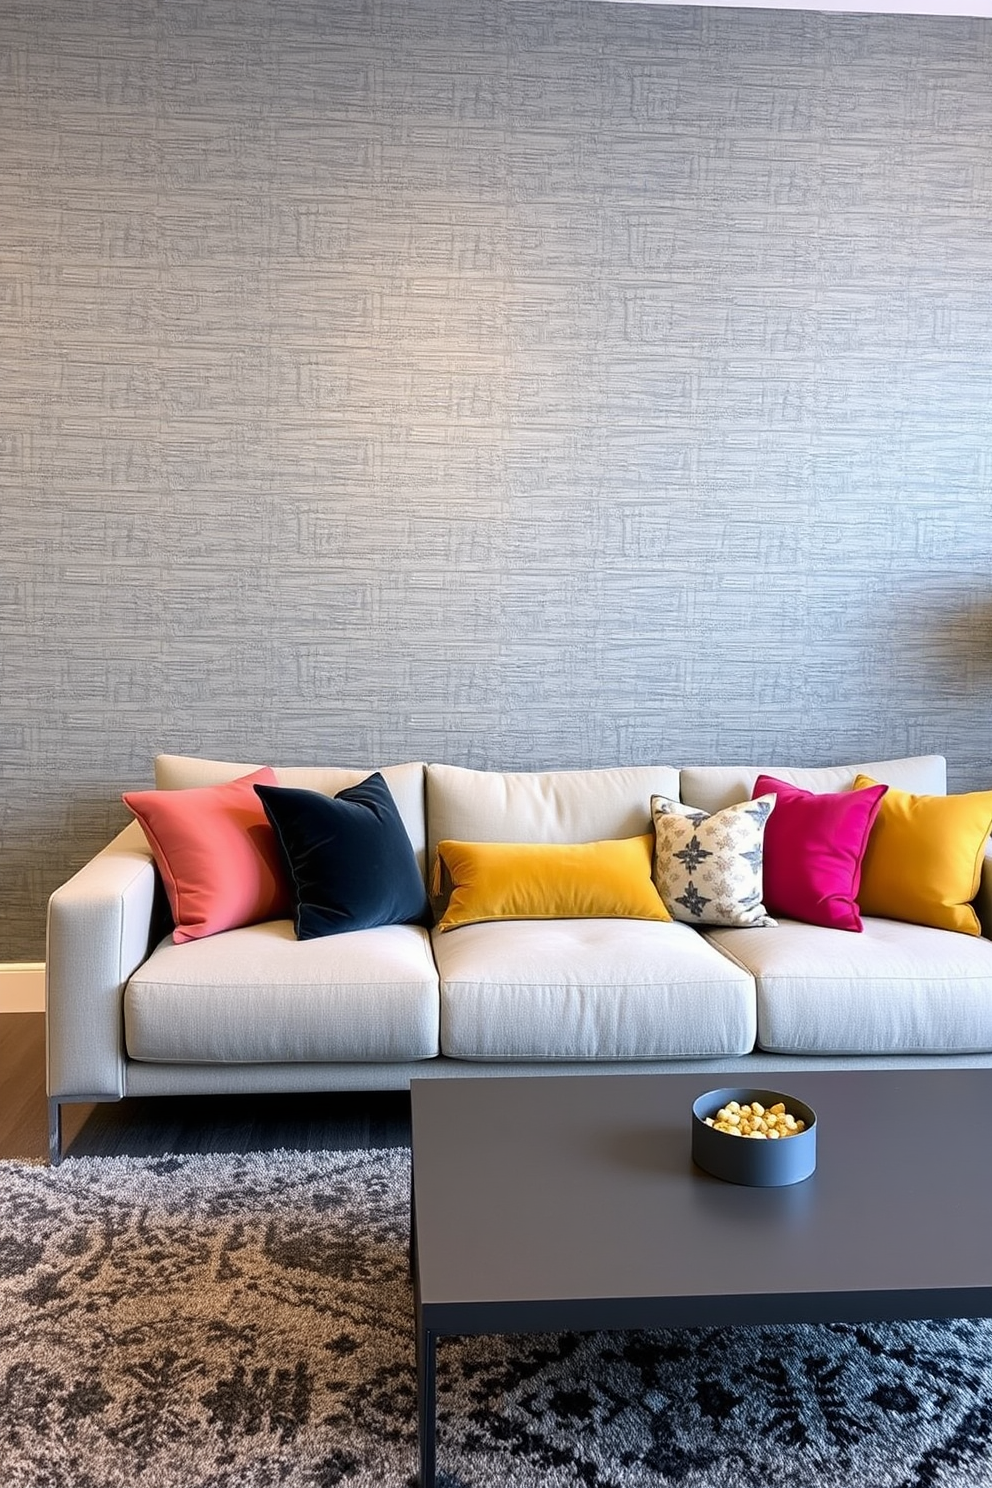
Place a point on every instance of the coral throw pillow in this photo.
(924, 860)
(814, 846)
(548, 881)
(217, 854)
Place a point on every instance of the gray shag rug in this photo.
(241, 1322)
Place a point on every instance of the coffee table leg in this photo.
(427, 1403)
(412, 1249)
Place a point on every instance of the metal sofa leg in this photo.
(54, 1133)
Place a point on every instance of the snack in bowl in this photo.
(755, 1120)
(779, 1132)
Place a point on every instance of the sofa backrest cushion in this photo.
(712, 787)
(551, 806)
(406, 785)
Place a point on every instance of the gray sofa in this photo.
(130, 1013)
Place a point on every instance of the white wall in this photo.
(22, 988)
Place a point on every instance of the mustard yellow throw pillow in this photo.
(924, 858)
(549, 881)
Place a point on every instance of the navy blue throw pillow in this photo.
(349, 859)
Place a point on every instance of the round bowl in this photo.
(749, 1160)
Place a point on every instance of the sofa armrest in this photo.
(101, 925)
(983, 899)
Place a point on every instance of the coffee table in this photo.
(571, 1203)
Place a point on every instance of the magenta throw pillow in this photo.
(217, 854)
(814, 844)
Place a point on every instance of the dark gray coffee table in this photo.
(572, 1204)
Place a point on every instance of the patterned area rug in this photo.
(241, 1322)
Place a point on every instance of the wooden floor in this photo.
(152, 1127)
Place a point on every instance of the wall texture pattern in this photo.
(508, 384)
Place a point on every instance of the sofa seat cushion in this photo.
(590, 989)
(894, 989)
(257, 995)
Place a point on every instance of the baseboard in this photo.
(22, 987)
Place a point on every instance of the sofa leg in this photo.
(54, 1133)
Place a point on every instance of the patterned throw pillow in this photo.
(708, 869)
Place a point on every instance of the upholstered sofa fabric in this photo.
(711, 787)
(100, 922)
(255, 1008)
(590, 989)
(549, 806)
(894, 989)
(257, 995)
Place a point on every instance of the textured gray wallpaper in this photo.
(511, 384)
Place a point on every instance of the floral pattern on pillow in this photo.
(708, 868)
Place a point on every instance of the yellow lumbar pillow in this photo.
(924, 858)
(549, 881)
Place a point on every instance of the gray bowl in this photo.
(748, 1160)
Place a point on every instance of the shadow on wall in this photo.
(948, 640)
